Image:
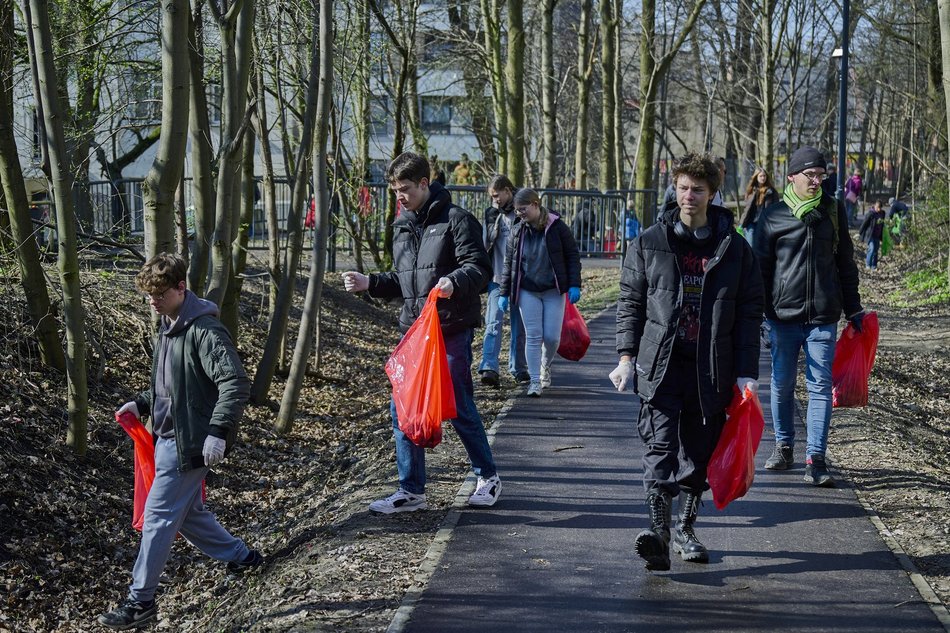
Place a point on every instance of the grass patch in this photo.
(928, 285)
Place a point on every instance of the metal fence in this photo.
(602, 222)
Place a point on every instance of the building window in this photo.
(214, 104)
(436, 114)
(379, 116)
(145, 103)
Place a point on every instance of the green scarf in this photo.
(798, 206)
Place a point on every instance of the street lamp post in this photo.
(843, 97)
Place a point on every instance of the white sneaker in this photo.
(545, 377)
(534, 389)
(399, 501)
(486, 492)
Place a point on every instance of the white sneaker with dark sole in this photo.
(399, 501)
(486, 492)
(545, 377)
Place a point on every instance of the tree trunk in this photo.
(608, 75)
(273, 347)
(288, 404)
(491, 12)
(618, 144)
(230, 308)
(515, 77)
(548, 104)
(236, 30)
(268, 193)
(163, 177)
(585, 69)
(944, 11)
(202, 155)
(68, 262)
(651, 74)
(17, 204)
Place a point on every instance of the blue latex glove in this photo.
(574, 294)
(503, 304)
(857, 321)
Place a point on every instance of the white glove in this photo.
(752, 383)
(131, 407)
(213, 450)
(445, 287)
(355, 282)
(623, 375)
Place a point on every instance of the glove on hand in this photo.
(445, 287)
(213, 450)
(574, 294)
(857, 322)
(131, 407)
(503, 304)
(751, 382)
(623, 376)
(355, 282)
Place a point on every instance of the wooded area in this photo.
(230, 96)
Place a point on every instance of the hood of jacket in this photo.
(192, 308)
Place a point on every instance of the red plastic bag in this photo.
(422, 386)
(854, 359)
(144, 463)
(732, 465)
(575, 337)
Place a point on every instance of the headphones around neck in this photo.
(699, 237)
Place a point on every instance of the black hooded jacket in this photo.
(651, 298)
(808, 271)
(441, 240)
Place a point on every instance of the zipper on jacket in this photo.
(809, 273)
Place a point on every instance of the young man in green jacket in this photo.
(198, 391)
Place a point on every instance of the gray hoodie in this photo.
(163, 422)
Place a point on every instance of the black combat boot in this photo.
(653, 544)
(685, 542)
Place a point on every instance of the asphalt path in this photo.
(556, 553)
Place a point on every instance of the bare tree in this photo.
(585, 70)
(61, 181)
(548, 95)
(311, 313)
(164, 176)
(21, 226)
(490, 13)
(944, 8)
(515, 77)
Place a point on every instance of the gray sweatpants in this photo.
(174, 505)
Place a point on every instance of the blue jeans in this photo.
(494, 320)
(874, 248)
(819, 343)
(411, 459)
(543, 316)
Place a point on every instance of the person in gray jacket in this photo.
(197, 396)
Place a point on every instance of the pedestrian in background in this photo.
(542, 265)
(871, 233)
(807, 260)
(500, 219)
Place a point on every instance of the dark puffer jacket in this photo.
(562, 249)
(808, 271)
(651, 297)
(442, 240)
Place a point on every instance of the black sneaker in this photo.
(523, 377)
(130, 614)
(253, 559)
(781, 458)
(490, 377)
(816, 472)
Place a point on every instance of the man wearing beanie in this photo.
(807, 261)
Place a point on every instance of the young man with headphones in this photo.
(688, 318)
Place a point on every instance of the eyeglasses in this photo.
(815, 176)
(156, 296)
(521, 210)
